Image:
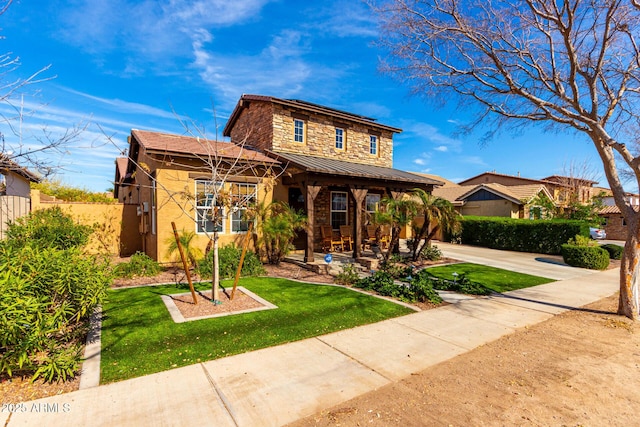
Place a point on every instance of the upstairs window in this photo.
(373, 145)
(340, 138)
(298, 130)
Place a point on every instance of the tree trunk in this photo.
(628, 303)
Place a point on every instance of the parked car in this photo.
(597, 233)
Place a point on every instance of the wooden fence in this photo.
(11, 208)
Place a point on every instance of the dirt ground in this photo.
(580, 368)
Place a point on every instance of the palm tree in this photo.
(191, 252)
(438, 214)
(278, 223)
(398, 213)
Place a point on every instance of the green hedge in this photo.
(615, 251)
(523, 235)
(592, 257)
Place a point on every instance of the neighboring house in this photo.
(563, 189)
(337, 166)
(15, 191)
(493, 199)
(614, 223)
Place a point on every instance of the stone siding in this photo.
(320, 131)
(254, 126)
(615, 228)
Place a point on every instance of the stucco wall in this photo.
(115, 232)
(491, 208)
(16, 185)
(174, 196)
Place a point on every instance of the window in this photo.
(298, 130)
(242, 197)
(209, 215)
(372, 201)
(338, 208)
(373, 145)
(340, 138)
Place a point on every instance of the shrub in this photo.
(615, 251)
(422, 289)
(417, 289)
(139, 265)
(48, 228)
(539, 236)
(431, 253)
(46, 297)
(592, 257)
(579, 240)
(348, 276)
(396, 270)
(228, 258)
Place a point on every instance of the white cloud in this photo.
(419, 162)
(149, 28)
(426, 134)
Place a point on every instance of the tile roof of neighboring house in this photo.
(614, 210)
(349, 169)
(559, 179)
(452, 192)
(163, 143)
(444, 182)
(519, 194)
(304, 106)
(530, 180)
(8, 165)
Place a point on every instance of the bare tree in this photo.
(571, 65)
(19, 148)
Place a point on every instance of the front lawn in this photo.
(496, 279)
(139, 337)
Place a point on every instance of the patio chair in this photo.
(385, 236)
(346, 236)
(329, 240)
(371, 239)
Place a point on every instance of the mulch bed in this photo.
(206, 307)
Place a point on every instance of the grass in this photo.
(496, 279)
(139, 337)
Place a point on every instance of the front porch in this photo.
(336, 193)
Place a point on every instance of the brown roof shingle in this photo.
(196, 147)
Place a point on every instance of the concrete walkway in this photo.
(278, 385)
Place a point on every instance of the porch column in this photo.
(312, 192)
(359, 195)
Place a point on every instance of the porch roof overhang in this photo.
(348, 172)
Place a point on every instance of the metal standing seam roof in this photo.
(350, 169)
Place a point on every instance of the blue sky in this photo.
(122, 64)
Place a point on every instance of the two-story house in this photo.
(334, 165)
(339, 165)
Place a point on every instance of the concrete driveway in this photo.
(550, 266)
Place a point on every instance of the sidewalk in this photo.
(278, 385)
